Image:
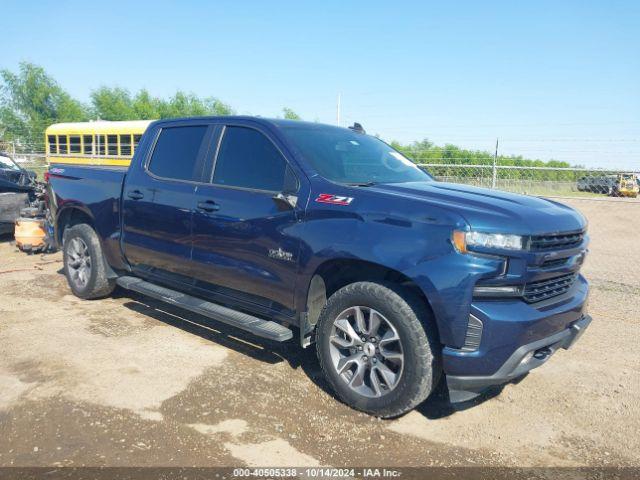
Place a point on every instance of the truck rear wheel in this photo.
(375, 351)
(84, 263)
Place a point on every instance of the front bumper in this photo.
(521, 361)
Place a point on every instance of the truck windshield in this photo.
(348, 157)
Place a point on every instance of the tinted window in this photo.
(88, 144)
(51, 140)
(248, 159)
(136, 141)
(176, 153)
(112, 144)
(125, 145)
(74, 143)
(62, 143)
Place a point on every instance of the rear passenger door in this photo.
(158, 200)
(245, 241)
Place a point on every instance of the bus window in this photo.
(112, 145)
(87, 141)
(74, 143)
(53, 146)
(101, 142)
(125, 145)
(62, 144)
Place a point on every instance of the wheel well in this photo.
(336, 274)
(68, 218)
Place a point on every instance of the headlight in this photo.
(498, 241)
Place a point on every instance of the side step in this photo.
(255, 325)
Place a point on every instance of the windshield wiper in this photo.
(362, 184)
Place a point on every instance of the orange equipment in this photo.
(30, 234)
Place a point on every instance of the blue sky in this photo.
(551, 79)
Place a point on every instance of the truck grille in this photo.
(538, 291)
(555, 242)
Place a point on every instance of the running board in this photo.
(255, 325)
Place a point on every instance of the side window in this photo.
(112, 145)
(125, 145)
(53, 147)
(74, 143)
(248, 159)
(62, 144)
(101, 141)
(87, 141)
(176, 153)
(136, 141)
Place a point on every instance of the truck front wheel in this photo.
(377, 347)
(84, 263)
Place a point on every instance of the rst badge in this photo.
(334, 199)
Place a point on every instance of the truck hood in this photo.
(492, 210)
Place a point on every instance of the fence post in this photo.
(495, 169)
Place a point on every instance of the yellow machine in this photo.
(626, 186)
(94, 143)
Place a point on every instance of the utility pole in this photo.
(338, 109)
(495, 169)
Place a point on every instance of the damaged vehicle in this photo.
(19, 189)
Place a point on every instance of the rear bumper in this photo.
(522, 360)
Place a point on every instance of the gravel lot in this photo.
(130, 381)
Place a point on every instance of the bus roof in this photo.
(99, 126)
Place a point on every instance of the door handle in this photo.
(135, 194)
(208, 206)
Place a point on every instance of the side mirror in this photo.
(285, 201)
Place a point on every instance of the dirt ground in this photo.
(129, 381)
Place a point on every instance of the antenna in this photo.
(338, 109)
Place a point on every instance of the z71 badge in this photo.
(334, 199)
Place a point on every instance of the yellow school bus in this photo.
(94, 143)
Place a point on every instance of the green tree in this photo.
(113, 104)
(30, 101)
(290, 114)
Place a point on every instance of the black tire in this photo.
(419, 344)
(97, 284)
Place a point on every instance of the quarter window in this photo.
(53, 147)
(62, 144)
(248, 159)
(125, 145)
(74, 143)
(87, 141)
(177, 152)
(112, 145)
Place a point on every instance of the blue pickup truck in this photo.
(291, 229)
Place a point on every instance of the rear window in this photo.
(177, 152)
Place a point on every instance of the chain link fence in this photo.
(572, 182)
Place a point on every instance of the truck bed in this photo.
(96, 190)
